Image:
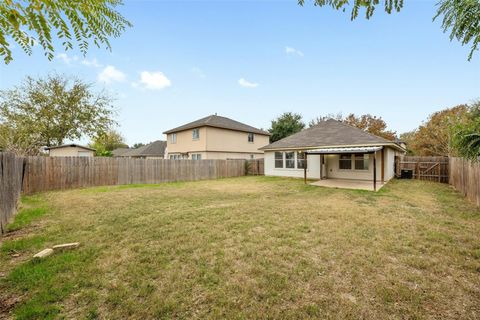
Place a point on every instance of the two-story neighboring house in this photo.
(216, 137)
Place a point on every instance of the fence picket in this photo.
(61, 173)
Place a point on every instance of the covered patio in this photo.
(360, 184)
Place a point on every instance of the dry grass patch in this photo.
(251, 247)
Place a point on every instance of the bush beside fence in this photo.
(11, 173)
(465, 177)
(61, 173)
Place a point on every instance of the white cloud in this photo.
(66, 58)
(293, 52)
(153, 80)
(247, 84)
(110, 74)
(199, 72)
(92, 63)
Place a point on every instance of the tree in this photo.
(108, 141)
(466, 137)
(409, 138)
(285, 125)
(18, 142)
(371, 124)
(459, 16)
(317, 120)
(434, 136)
(73, 22)
(47, 111)
(138, 145)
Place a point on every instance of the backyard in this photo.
(248, 247)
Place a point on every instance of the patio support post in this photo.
(305, 169)
(321, 166)
(383, 165)
(375, 171)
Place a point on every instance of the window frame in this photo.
(252, 136)
(295, 160)
(276, 159)
(300, 160)
(291, 160)
(197, 137)
(349, 160)
(365, 158)
(196, 156)
(173, 138)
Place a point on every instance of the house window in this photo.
(345, 162)
(174, 156)
(250, 137)
(173, 138)
(196, 134)
(300, 160)
(278, 159)
(361, 161)
(196, 156)
(252, 156)
(290, 160)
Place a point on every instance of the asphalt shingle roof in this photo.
(70, 145)
(154, 149)
(328, 133)
(120, 151)
(218, 122)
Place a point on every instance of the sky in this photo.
(253, 60)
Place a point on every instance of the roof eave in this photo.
(389, 144)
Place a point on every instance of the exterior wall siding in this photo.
(222, 140)
(313, 167)
(185, 142)
(331, 167)
(389, 163)
(216, 143)
(69, 152)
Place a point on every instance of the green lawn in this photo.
(243, 248)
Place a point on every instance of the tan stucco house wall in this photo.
(70, 151)
(216, 142)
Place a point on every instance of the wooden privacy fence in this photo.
(11, 173)
(465, 177)
(424, 167)
(256, 167)
(60, 173)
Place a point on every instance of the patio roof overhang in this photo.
(369, 149)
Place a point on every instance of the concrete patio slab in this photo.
(347, 184)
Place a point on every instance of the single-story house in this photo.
(154, 150)
(70, 150)
(333, 150)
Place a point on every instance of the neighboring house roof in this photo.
(70, 145)
(218, 122)
(120, 151)
(154, 149)
(329, 133)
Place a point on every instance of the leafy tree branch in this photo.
(71, 21)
